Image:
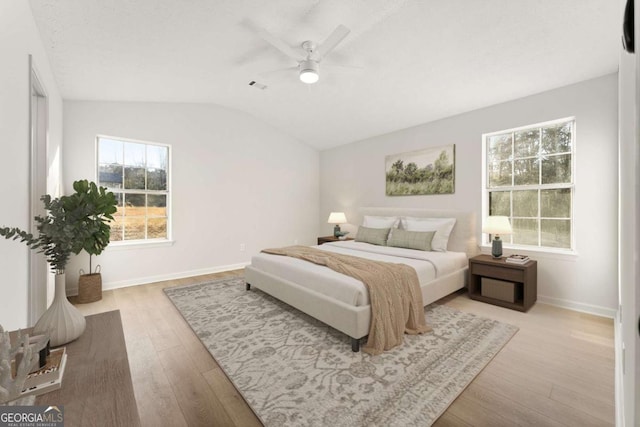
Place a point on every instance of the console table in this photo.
(96, 387)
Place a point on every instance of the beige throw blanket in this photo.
(394, 292)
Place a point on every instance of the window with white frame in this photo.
(529, 178)
(138, 174)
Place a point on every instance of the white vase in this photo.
(62, 321)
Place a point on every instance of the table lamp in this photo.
(496, 225)
(337, 218)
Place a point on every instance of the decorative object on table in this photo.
(49, 377)
(39, 345)
(62, 321)
(68, 226)
(342, 235)
(11, 385)
(517, 259)
(98, 206)
(337, 218)
(430, 171)
(496, 225)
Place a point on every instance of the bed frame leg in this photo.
(248, 285)
(355, 345)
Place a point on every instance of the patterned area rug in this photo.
(294, 370)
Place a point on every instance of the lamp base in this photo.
(496, 248)
(336, 231)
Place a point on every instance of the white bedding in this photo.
(428, 266)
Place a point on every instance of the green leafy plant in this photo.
(72, 223)
(97, 206)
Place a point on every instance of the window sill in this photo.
(544, 253)
(120, 246)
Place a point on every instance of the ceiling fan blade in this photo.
(342, 69)
(278, 72)
(331, 42)
(280, 45)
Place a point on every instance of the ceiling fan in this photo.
(309, 63)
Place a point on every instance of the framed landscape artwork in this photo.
(428, 171)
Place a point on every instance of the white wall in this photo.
(628, 365)
(19, 37)
(234, 180)
(353, 176)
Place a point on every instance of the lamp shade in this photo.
(337, 218)
(497, 225)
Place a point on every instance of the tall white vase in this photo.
(62, 321)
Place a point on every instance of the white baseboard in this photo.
(162, 277)
(558, 302)
(579, 306)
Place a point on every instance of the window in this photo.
(529, 178)
(138, 174)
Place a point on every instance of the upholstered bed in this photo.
(341, 301)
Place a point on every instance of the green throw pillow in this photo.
(420, 240)
(375, 236)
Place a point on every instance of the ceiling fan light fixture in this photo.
(309, 71)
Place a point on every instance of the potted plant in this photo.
(98, 206)
(65, 228)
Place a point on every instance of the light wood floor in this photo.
(557, 370)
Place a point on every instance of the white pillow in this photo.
(442, 227)
(380, 221)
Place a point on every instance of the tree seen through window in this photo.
(529, 178)
(137, 173)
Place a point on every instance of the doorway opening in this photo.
(39, 291)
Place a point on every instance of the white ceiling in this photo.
(421, 59)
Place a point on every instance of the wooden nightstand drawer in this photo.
(508, 274)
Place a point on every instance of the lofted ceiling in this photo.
(406, 62)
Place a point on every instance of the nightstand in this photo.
(498, 282)
(327, 239)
